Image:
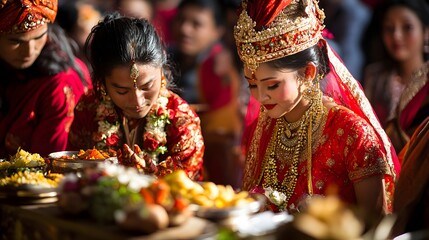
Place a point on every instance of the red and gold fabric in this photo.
(185, 146)
(42, 114)
(339, 157)
(345, 150)
(19, 16)
(400, 107)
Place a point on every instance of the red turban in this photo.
(263, 12)
(19, 16)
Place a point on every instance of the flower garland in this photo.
(154, 138)
(276, 198)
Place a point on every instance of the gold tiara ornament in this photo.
(134, 73)
(296, 28)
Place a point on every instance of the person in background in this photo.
(131, 110)
(137, 8)
(230, 7)
(77, 18)
(210, 82)
(165, 13)
(412, 190)
(41, 80)
(309, 128)
(347, 21)
(397, 86)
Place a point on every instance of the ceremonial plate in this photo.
(68, 161)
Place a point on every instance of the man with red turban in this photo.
(40, 81)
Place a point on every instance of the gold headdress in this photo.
(18, 16)
(297, 27)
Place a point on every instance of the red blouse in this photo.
(185, 146)
(40, 112)
(345, 150)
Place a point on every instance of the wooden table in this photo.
(46, 221)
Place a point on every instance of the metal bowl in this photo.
(62, 165)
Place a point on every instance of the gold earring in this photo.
(103, 93)
(100, 89)
(163, 82)
(312, 90)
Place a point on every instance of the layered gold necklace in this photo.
(286, 148)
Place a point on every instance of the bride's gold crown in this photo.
(298, 27)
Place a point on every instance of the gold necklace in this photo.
(310, 122)
(291, 127)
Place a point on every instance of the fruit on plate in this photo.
(206, 194)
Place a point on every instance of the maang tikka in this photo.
(134, 73)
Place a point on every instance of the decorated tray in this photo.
(69, 161)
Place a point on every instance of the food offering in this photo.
(21, 161)
(213, 201)
(24, 179)
(76, 161)
(122, 195)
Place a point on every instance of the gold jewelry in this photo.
(101, 89)
(298, 27)
(163, 82)
(312, 91)
(293, 151)
(291, 127)
(134, 73)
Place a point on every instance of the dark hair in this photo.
(56, 56)
(118, 40)
(299, 60)
(212, 5)
(374, 40)
(419, 7)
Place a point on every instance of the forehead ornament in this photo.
(134, 73)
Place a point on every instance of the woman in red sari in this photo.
(301, 141)
(41, 80)
(398, 86)
(131, 108)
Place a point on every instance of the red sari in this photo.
(185, 146)
(400, 107)
(351, 146)
(345, 149)
(40, 112)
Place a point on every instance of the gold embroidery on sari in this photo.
(359, 95)
(416, 83)
(251, 178)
